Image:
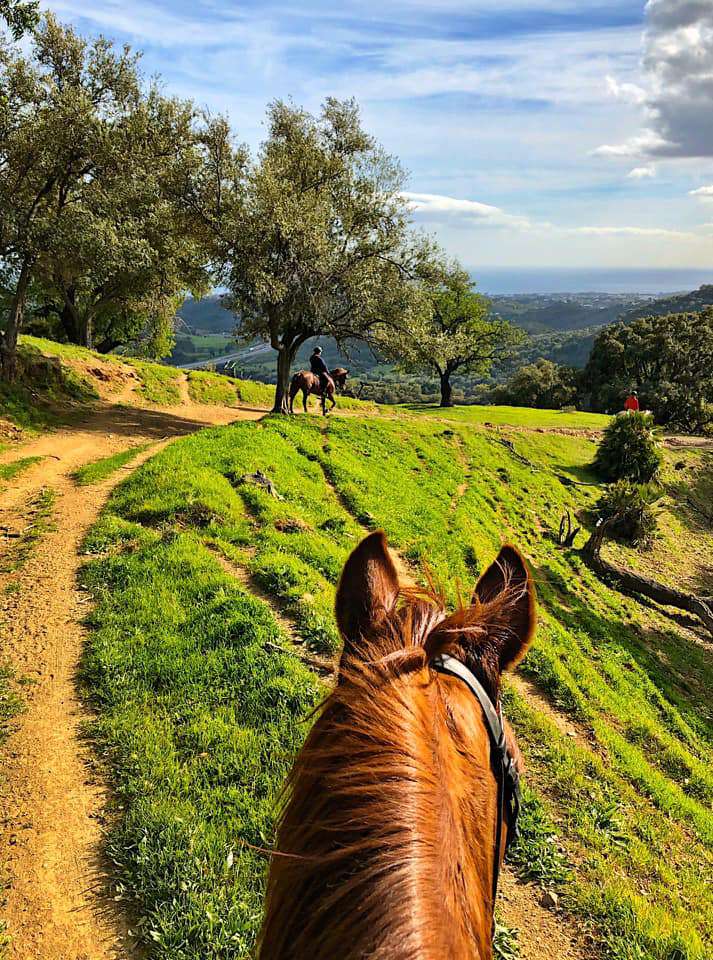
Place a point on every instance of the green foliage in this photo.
(537, 854)
(540, 384)
(102, 249)
(629, 507)
(205, 387)
(200, 717)
(505, 945)
(159, 385)
(668, 359)
(454, 332)
(10, 470)
(99, 470)
(629, 449)
(319, 240)
(21, 16)
(43, 385)
(38, 521)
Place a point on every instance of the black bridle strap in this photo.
(506, 774)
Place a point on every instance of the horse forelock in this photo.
(373, 853)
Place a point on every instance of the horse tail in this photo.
(295, 384)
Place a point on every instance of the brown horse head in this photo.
(386, 841)
(339, 375)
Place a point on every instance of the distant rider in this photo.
(631, 404)
(319, 368)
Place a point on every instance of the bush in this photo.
(629, 450)
(630, 507)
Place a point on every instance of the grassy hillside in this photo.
(203, 696)
(56, 381)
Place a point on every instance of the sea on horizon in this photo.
(557, 280)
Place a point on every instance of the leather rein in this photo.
(503, 763)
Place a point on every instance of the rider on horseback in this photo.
(319, 368)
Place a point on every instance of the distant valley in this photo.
(561, 328)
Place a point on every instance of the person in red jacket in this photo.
(632, 402)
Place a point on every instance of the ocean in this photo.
(544, 280)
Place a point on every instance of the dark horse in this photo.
(308, 383)
(394, 822)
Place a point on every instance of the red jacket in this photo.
(631, 403)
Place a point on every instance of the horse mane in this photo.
(351, 874)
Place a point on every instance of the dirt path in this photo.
(51, 796)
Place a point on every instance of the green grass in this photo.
(514, 416)
(38, 522)
(159, 385)
(205, 387)
(99, 470)
(8, 471)
(618, 820)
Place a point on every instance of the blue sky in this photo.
(569, 133)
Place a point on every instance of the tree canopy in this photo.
(21, 16)
(91, 164)
(319, 244)
(542, 384)
(667, 359)
(454, 332)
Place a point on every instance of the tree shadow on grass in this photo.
(679, 668)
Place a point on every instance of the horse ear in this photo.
(367, 591)
(508, 590)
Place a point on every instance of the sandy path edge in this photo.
(52, 793)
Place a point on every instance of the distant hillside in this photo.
(538, 314)
(561, 328)
(692, 302)
(207, 316)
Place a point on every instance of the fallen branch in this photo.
(567, 533)
(509, 445)
(630, 582)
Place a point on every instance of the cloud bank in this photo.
(677, 89)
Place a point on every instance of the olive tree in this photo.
(21, 16)
(456, 333)
(134, 249)
(320, 242)
(90, 160)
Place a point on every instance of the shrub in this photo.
(629, 450)
(630, 507)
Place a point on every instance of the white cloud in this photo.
(650, 232)
(677, 68)
(705, 193)
(642, 173)
(628, 92)
(433, 206)
(472, 213)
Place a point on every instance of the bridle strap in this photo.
(506, 773)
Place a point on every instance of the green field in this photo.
(199, 711)
(514, 416)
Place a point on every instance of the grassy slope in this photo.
(199, 717)
(515, 416)
(55, 378)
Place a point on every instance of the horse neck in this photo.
(388, 836)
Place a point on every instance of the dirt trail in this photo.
(51, 796)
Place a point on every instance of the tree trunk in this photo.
(86, 331)
(630, 582)
(446, 389)
(285, 356)
(69, 316)
(8, 347)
